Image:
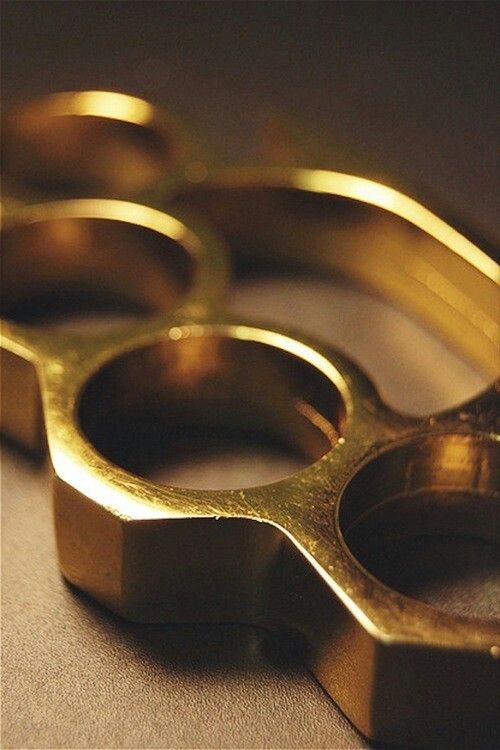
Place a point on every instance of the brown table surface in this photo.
(412, 84)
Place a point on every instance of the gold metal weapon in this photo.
(289, 555)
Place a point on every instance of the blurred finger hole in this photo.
(88, 143)
(74, 268)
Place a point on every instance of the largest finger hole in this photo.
(80, 265)
(211, 412)
(424, 518)
(360, 278)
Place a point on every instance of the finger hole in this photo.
(308, 223)
(89, 143)
(176, 410)
(424, 518)
(76, 265)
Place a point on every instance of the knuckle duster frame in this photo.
(287, 555)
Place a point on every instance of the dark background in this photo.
(406, 88)
(400, 90)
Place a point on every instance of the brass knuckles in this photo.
(95, 253)
(284, 555)
(91, 143)
(281, 555)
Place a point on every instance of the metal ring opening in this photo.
(149, 404)
(432, 486)
(89, 143)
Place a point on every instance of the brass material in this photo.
(88, 256)
(90, 143)
(333, 223)
(287, 555)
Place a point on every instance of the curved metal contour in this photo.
(91, 143)
(289, 554)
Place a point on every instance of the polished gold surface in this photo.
(90, 260)
(295, 554)
(332, 223)
(94, 143)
